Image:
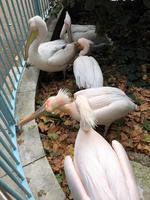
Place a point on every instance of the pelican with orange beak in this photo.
(107, 103)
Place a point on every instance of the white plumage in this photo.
(78, 31)
(98, 171)
(87, 72)
(49, 56)
(107, 103)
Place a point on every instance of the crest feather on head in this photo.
(65, 94)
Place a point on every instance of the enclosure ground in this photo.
(58, 131)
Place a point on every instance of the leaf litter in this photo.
(120, 69)
(59, 131)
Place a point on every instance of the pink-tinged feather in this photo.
(127, 170)
(96, 162)
(87, 72)
(77, 189)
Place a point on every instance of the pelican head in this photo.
(50, 105)
(37, 26)
(85, 46)
(59, 100)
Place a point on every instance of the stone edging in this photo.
(37, 169)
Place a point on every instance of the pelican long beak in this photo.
(33, 34)
(32, 116)
(66, 29)
(63, 31)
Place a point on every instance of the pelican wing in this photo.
(98, 167)
(48, 49)
(87, 72)
(127, 170)
(106, 96)
(77, 189)
(93, 92)
(104, 100)
(82, 28)
(83, 31)
(63, 57)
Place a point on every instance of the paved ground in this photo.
(37, 169)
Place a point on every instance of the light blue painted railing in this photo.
(14, 15)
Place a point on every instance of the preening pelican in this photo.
(107, 103)
(77, 31)
(49, 56)
(98, 170)
(87, 72)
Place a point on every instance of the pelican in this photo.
(87, 72)
(108, 104)
(77, 31)
(49, 56)
(99, 171)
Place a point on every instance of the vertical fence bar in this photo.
(12, 40)
(16, 17)
(31, 8)
(3, 103)
(9, 163)
(10, 78)
(6, 54)
(24, 23)
(25, 1)
(37, 7)
(9, 151)
(10, 190)
(8, 137)
(5, 82)
(6, 125)
(15, 28)
(5, 168)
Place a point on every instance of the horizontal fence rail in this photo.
(14, 16)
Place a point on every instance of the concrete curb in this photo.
(37, 169)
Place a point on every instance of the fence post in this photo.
(37, 7)
(6, 112)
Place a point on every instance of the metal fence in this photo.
(14, 15)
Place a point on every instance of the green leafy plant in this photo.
(60, 177)
(53, 136)
(146, 125)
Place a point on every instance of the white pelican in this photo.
(108, 104)
(50, 56)
(77, 31)
(87, 72)
(99, 171)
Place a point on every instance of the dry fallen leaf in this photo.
(43, 127)
(20, 141)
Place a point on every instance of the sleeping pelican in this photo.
(99, 171)
(108, 104)
(77, 31)
(87, 72)
(48, 56)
